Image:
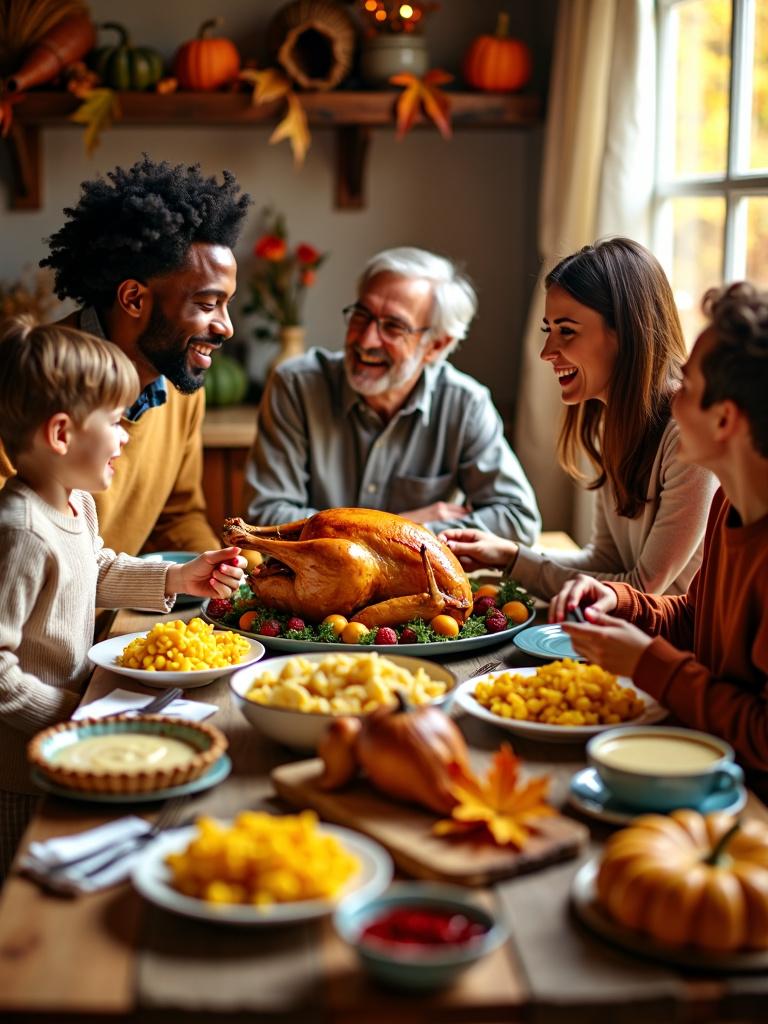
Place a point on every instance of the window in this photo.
(711, 195)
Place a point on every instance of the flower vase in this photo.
(291, 345)
(385, 55)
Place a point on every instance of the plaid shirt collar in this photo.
(153, 395)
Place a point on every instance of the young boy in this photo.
(62, 394)
(706, 658)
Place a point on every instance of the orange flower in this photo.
(270, 247)
(308, 277)
(306, 254)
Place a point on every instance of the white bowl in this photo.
(105, 654)
(302, 730)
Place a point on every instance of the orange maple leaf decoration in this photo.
(271, 85)
(418, 91)
(7, 102)
(499, 804)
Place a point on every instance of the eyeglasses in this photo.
(393, 332)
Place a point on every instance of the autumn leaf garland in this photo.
(500, 805)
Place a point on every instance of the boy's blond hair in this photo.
(47, 368)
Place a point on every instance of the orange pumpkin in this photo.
(689, 880)
(205, 63)
(497, 63)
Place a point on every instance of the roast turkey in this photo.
(377, 568)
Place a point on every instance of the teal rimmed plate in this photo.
(549, 642)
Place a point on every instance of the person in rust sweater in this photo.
(704, 655)
(148, 255)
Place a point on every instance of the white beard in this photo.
(365, 383)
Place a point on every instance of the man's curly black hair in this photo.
(140, 226)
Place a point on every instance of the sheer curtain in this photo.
(597, 180)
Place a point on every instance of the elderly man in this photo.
(148, 255)
(388, 423)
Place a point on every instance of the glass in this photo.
(390, 331)
(701, 30)
(698, 233)
(757, 240)
(758, 136)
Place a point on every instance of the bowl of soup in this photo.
(662, 768)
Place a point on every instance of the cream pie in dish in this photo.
(124, 755)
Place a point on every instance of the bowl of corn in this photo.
(176, 653)
(293, 699)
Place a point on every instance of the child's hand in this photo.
(477, 550)
(614, 644)
(212, 574)
(583, 592)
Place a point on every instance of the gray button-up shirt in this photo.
(319, 445)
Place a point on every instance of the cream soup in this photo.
(134, 752)
(667, 755)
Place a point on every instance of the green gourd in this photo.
(125, 66)
(226, 382)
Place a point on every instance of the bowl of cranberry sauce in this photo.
(419, 934)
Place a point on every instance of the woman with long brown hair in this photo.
(615, 344)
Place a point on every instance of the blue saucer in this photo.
(549, 642)
(589, 795)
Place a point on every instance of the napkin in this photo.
(102, 856)
(125, 700)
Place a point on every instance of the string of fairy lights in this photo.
(395, 17)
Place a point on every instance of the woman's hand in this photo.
(614, 644)
(212, 574)
(583, 592)
(477, 550)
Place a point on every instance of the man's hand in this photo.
(439, 511)
(614, 644)
(583, 592)
(212, 574)
(478, 550)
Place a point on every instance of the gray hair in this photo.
(454, 299)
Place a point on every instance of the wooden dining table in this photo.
(111, 956)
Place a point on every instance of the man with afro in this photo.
(148, 256)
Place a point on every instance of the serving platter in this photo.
(152, 878)
(597, 920)
(105, 655)
(464, 700)
(436, 649)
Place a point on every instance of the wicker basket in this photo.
(314, 40)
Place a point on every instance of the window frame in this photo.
(735, 186)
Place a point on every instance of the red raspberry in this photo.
(295, 623)
(483, 605)
(496, 622)
(408, 636)
(218, 607)
(385, 635)
(270, 627)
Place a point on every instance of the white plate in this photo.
(465, 700)
(105, 653)
(589, 911)
(438, 647)
(152, 878)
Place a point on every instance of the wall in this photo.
(473, 198)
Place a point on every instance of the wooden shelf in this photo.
(351, 114)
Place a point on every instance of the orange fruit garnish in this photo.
(445, 625)
(516, 611)
(487, 590)
(338, 622)
(353, 632)
(247, 619)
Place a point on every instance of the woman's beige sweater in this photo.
(54, 570)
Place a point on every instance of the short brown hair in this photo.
(45, 369)
(736, 368)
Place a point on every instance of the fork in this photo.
(489, 666)
(157, 703)
(92, 863)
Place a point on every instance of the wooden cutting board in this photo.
(406, 831)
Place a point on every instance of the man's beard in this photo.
(166, 350)
(395, 377)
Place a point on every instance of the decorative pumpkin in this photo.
(404, 751)
(205, 63)
(226, 382)
(125, 66)
(497, 63)
(689, 880)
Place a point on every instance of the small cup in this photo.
(661, 768)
